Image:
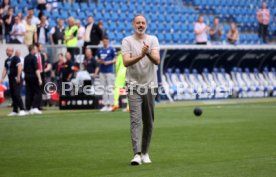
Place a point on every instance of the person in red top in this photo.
(263, 16)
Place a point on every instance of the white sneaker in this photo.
(12, 114)
(145, 158)
(22, 113)
(109, 109)
(104, 109)
(136, 160)
(35, 111)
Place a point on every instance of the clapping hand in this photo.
(145, 49)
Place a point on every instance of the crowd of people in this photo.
(216, 32)
(31, 29)
(60, 67)
(35, 70)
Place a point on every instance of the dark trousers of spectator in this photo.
(15, 41)
(33, 93)
(8, 38)
(15, 90)
(73, 52)
(263, 31)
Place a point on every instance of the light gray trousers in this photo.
(141, 110)
(107, 81)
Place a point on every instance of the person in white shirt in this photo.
(35, 20)
(18, 32)
(42, 31)
(201, 31)
(81, 32)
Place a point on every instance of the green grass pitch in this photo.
(235, 138)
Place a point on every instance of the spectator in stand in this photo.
(30, 35)
(5, 7)
(35, 20)
(57, 38)
(81, 31)
(263, 16)
(71, 37)
(42, 31)
(56, 72)
(20, 16)
(201, 30)
(17, 32)
(216, 31)
(90, 63)
(233, 34)
(57, 33)
(8, 22)
(67, 73)
(47, 68)
(93, 34)
(101, 26)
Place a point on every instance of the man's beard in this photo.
(140, 31)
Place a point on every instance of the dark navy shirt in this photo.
(90, 65)
(11, 66)
(106, 54)
(30, 66)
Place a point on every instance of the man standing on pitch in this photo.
(13, 68)
(140, 56)
(33, 81)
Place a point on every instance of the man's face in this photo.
(29, 21)
(17, 53)
(9, 52)
(60, 22)
(264, 5)
(43, 19)
(10, 12)
(35, 49)
(16, 19)
(216, 21)
(88, 53)
(68, 56)
(71, 22)
(39, 47)
(139, 25)
(90, 20)
(105, 42)
(78, 24)
(201, 19)
(30, 12)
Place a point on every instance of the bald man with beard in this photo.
(13, 68)
(141, 57)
